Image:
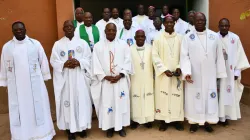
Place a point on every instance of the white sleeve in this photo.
(43, 61)
(3, 72)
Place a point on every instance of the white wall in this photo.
(202, 6)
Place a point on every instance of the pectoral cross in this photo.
(142, 65)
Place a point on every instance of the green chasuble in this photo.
(84, 35)
(75, 23)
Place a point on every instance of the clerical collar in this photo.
(141, 15)
(22, 41)
(201, 33)
(140, 48)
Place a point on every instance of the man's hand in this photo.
(236, 77)
(68, 64)
(189, 79)
(168, 73)
(109, 78)
(116, 79)
(75, 62)
(177, 72)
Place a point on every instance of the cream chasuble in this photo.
(231, 90)
(168, 90)
(142, 93)
(202, 58)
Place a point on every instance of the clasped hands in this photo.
(176, 73)
(113, 79)
(71, 63)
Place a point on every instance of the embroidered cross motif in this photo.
(110, 110)
(122, 94)
(9, 67)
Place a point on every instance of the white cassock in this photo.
(101, 24)
(168, 90)
(112, 103)
(153, 35)
(149, 26)
(128, 35)
(119, 23)
(142, 85)
(181, 26)
(141, 21)
(71, 86)
(24, 68)
(77, 29)
(230, 89)
(202, 58)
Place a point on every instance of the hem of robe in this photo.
(201, 122)
(223, 119)
(167, 119)
(48, 136)
(143, 120)
(114, 127)
(76, 129)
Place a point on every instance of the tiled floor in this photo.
(238, 130)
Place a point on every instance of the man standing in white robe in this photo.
(127, 33)
(78, 20)
(190, 21)
(111, 66)
(115, 18)
(141, 18)
(128, 12)
(153, 34)
(101, 24)
(70, 60)
(24, 68)
(202, 63)
(231, 89)
(168, 84)
(181, 26)
(142, 83)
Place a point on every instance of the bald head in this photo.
(110, 31)
(140, 38)
(224, 26)
(79, 14)
(200, 22)
(68, 28)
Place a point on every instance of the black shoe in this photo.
(148, 125)
(71, 136)
(83, 134)
(110, 133)
(122, 133)
(179, 126)
(225, 124)
(194, 128)
(134, 125)
(163, 126)
(208, 127)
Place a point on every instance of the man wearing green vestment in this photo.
(88, 31)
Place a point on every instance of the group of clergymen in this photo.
(132, 70)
